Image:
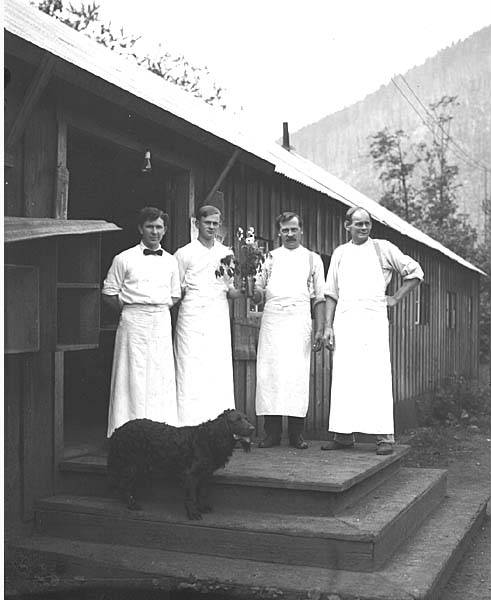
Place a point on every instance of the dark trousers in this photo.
(273, 425)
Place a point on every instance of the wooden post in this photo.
(58, 416)
(222, 175)
(62, 176)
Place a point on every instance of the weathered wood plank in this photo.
(62, 176)
(33, 93)
(40, 142)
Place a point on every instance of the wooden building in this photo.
(78, 121)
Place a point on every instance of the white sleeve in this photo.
(113, 284)
(175, 283)
(181, 267)
(318, 278)
(407, 267)
(331, 288)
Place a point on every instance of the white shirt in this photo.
(392, 260)
(286, 276)
(197, 265)
(139, 279)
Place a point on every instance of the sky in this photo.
(297, 61)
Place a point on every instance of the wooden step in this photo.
(360, 538)
(288, 481)
(419, 569)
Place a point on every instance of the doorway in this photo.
(107, 182)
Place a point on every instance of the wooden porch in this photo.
(285, 521)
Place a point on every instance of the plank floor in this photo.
(283, 466)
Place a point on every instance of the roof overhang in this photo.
(20, 229)
(84, 62)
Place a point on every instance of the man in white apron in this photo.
(143, 283)
(288, 280)
(357, 330)
(202, 345)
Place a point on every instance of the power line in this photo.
(463, 152)
(412, 106)
(451, 138)
(425, 122)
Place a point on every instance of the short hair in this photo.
(351, 211)
(151, 213)
(288, 216)
(207, 210)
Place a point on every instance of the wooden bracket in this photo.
(32, 95)
(223, 174)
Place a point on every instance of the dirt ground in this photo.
(462, 447)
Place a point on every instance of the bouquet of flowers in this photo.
(246, 263)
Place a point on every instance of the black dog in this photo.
(142, 448)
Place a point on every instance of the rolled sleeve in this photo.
(175, 285)
(181, 268)
(407, 267)
(115, 277)
(331, 287)
(318, 279)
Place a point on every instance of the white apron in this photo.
(143, 378)
(361, 392)
(203, 351)
(283, 360)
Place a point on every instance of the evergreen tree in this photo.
(420, 184)
(391, 155)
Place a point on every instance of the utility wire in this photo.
(464, 155)
(432, 117)
(413, 107)
(425, 122)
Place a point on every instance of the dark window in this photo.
(422, 304)
(451, 309)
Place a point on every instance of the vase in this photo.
(250, 285)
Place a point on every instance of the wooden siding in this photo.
(422, 355)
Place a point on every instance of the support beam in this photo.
(62, 175)
(33, 93)
(130, 142)
(222, 175)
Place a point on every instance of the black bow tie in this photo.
(148, 252)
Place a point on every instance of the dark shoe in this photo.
(335, 445)
(297, 441)
(384, 448)
(269, 441)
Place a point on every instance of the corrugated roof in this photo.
(50, 34)
(28, 23)
(296, 167)
(17, 229)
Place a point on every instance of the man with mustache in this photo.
(357, 330)
(290, 277)
(142, 284)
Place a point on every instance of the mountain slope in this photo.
(339, 142)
